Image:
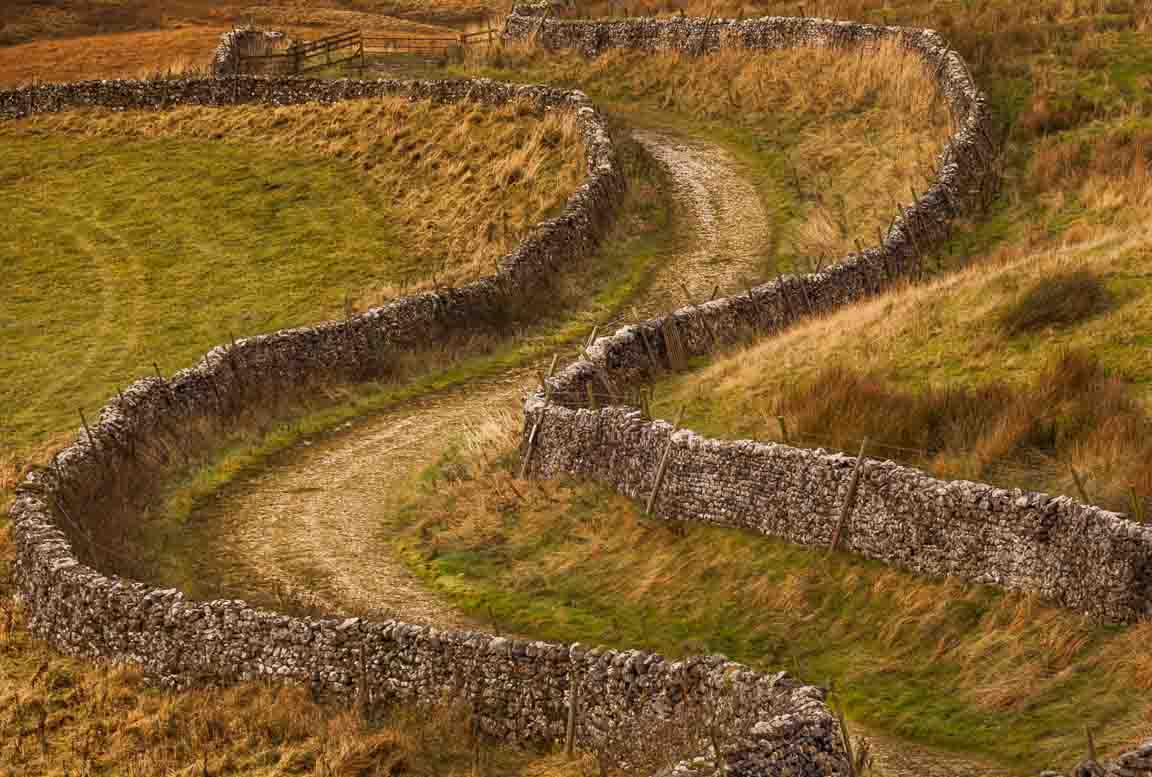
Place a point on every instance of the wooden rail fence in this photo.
(353, 46)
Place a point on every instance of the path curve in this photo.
(309, 524)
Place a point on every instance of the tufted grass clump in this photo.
(1021, 435)
(1055, 302)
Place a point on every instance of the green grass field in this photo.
(147, 238)
(135, 252)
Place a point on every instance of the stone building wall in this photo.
(519, 691)
(240, 42)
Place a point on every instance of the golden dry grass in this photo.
(879, 124)
(122, 55)
(22, 21)
(71, 41)
(949, 333)
(855, 131)
(465, 182)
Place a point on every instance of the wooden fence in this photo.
(353, 48)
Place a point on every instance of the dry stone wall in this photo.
(1078, 556)
(519, 690)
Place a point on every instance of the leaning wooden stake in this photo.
(1091, 744)
(476, 770)
(783, 430)
(847, 741)
(573, 716)
(1079, 485)
(663, 464)
(1137, 505)
(87, 429)
(531, 445)
(850, 499)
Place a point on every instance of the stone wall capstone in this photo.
(519, 690)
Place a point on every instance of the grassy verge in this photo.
(939, 662)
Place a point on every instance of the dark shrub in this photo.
(1057, 301)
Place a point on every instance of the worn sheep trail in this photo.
(304, 532)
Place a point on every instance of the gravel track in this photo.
(308, 524)
(307, 527)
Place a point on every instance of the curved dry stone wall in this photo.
(1079, 556)
(518, 690)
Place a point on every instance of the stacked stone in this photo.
(1075, 555)
(226, 59)
(1134, 763)
(519, 690)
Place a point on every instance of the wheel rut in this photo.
(305, 530)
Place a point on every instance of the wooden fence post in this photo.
(476, 770)
(850, 498)
(573, 716)
(1137, 505)
(1079, 485)
(531, 444)
(783, 430)
(1091, 744)
(663, 464)
(847, 739)
(87, 429)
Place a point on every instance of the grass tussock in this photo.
(465, 182)
(1060, 300)
(943, 661)
(1073, 414)
(61, 716)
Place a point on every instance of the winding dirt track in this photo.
(308, 528)
(308, 525)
